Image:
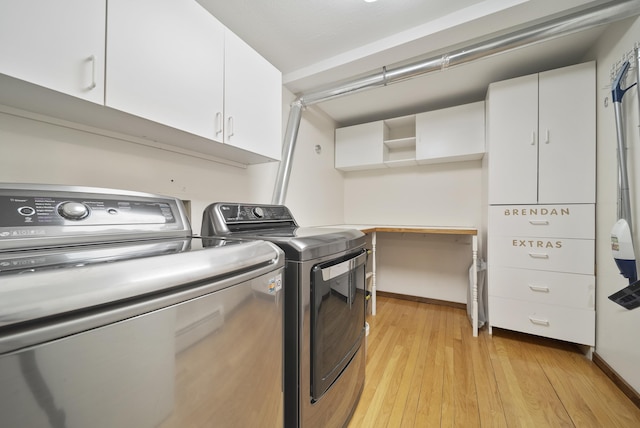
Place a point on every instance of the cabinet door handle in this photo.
(533, 138)
(230, 127)
(539, 321)
(539, 222)
(546, 140)
(92, 60)
(539, 288)
(218, 123)
(539, 255)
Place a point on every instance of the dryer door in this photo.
(337, 317)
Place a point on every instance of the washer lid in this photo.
(97, 280)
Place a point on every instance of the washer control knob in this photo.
(73, 210)
(26, 211)
(258, 212)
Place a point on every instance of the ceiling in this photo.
(318, 43)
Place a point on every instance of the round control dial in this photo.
(258, 212)
(73, 210)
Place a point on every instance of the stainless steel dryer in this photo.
(112, 315)
(324, 308)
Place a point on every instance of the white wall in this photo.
(447, 194)
(617, 340)
(315, 194)
(36, 152)
(33, 151)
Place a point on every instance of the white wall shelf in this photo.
(448, 135)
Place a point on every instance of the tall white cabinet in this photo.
(541, 129)
(541, 190)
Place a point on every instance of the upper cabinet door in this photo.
(361, 146)
(165, 63)
(567, 148)
(55, 44)
(512, 131)
(252, 100)
(451, 134)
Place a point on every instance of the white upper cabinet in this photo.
(567, 135)
(252, 100)
(512, 129)
(361, 146)
(165, 63)
(165, 71)
(448, 135)
(451, 134)
(55, 44)
(541, 137)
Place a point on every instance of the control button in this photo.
(26, 211)
(73, 210)
(112, 211)
(258, 212)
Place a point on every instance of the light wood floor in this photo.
(425, 369)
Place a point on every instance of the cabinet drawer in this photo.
(550, 254)
(557, 322)
(552, 288)
(562, 221)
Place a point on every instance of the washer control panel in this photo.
(43, 210)
(32, 216)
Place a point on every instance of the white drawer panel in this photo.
(557, 322)
(551, 254)
(551, 288)
(562, 221)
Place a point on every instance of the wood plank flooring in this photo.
(425, 369)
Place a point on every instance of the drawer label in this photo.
(537, 211)
(536, 243)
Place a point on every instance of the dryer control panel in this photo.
(223, 218)
(235, 213)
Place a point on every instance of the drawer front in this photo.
(561, 221)
(551, 288)
(557, 322)
(550, 254)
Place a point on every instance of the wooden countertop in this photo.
(442, 230)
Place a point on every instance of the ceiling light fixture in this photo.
(370, 1)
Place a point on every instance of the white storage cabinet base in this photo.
(556, 322)
(553, 288)
(567, 221)
(550, 254)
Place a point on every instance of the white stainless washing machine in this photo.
(324, 308)
(112, 315)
